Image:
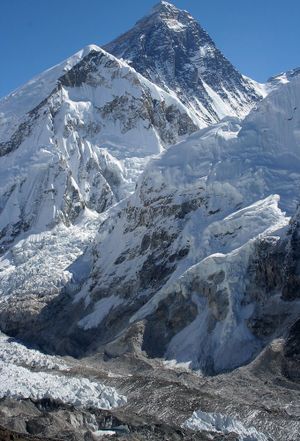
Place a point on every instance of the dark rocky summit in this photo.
(171, 49)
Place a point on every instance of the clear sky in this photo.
(260, 37)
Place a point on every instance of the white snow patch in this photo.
(175, 25)
(101, 433)
(174, 365)
(101, 309)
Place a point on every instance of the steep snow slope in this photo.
(259, 156)
(81, 141)
(15, 105)
(171, 49)
(178, 266)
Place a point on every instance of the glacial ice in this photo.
(28, 373)
(216, 422)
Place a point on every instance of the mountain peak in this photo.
(163, 11)
(164, 7)
(171, 49)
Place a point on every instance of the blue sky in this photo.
(260, 37)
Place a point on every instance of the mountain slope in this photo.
(171, 49)
(77, 136)
(81, 141)
(180, 268)
(193, 241)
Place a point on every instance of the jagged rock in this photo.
(291, 363)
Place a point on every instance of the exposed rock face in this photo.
(291, 363)
(171, 49)
(291, 289)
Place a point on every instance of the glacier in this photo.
(223, 424)
(27, 373)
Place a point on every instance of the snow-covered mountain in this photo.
(171, 49)
(77, 137)
(149, 218)
(77, 222)
(187, 267)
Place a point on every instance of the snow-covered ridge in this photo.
(27, 97)
(200, 209)
(182, 243)
(218, 338)
(126, 230)
(284, 77)
(163, 6)
(258, 156)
